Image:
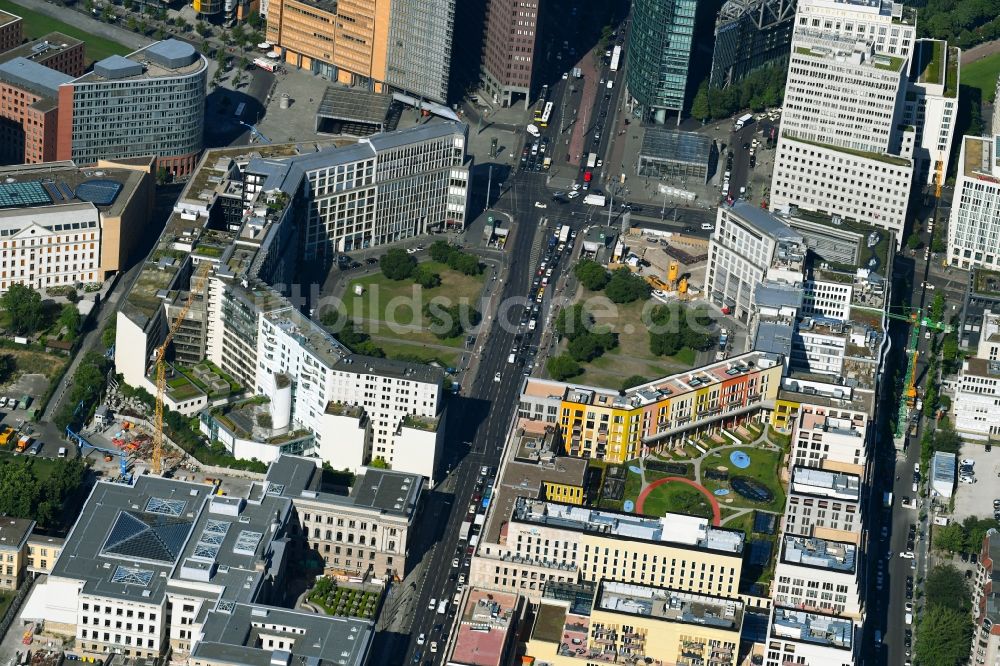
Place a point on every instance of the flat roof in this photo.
(672, 528)
(31, 76)
(355, 106)
(59, 184)
(483, 626)
(812, 628)
(943, 466)
(669, 605)
(826, 483)
(42, 48)
(774, 337)
(387, 491)
(234, 634)
(7, 17)
(14, 531)
(762, 220)
(675, 146)
(166, 58)
(820, 553)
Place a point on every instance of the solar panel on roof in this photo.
(52, 192)
(28, 193)
(99, 192)
(67, 192)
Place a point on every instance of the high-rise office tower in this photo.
(750, 34)
(843, 151)
(659, 55)
(509, 54)
(420, 40)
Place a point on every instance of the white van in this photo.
(443, 607)
(62, 451)
(510, 359)
(610, 84)
(707, 226)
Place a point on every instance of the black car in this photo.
(746, 146)
(371, 261)
(355, 264)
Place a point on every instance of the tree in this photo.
(950, 538)
(700, 108)
(108, 335)
(975, 531)
(949, 347)
(944, 636)
(8, 364)
(440, 251)
(244, 63)
(946, 439)
(396, 264)
(72, 296)
(426, 277)
(256, 21)
(379, 463)
(162, 175)
(237, 33)
(626, 287)
(945, 586)
(202, 29)
(464, 263)
(585, 348)
(563, 367)
(24, 308)
(591, 274)
(574, 321)
(634, 380)
(449, 321)
(69, 318)
(937, 307)
(132, 24)
(159, 34)
(938, 243)
(913, 241)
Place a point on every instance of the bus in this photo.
(591, 160)
(616, 56)
(546, 114)
(240, 108)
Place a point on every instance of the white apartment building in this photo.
(819, 348)
(824, 503)
(843, 103)
(931, 106)
(818, 575)
(977, 399)
(974, 224)
(826, 298)
(50, 246)
(830, 438)
(810, 639)
(749, 245)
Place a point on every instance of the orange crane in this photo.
(161, 369)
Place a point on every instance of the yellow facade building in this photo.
(637, 624)
(14, 534)
(602, 424)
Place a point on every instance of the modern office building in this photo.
(974, 223)
(748, 246)
(617, 426)
(61, 224)
(11, 31)
(750, 35)
(244, 222)
(820, 575)
(843, 151)
(811, 639)
(365, 532)
(995, 128)
(976, 403)
(372, 44)
(657, 61)
(167, 566)
(386, 188)
(825, 504)
(151, 102)
(931, 107)
(509, 50)
(631, 623)
(29, 113)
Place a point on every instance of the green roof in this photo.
(887, 62)
(933, 65)
(951, 74)
(882, 157)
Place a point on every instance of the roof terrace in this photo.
(812, 628)
(820, 553)
(669, 605)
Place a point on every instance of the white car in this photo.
(576, 187)
(967, 479)
(907, 554)
(909, 618)
(908, 606)
(565, 75)
(454, 563)
(539, 204)
(600, 163)
(434, 644)
(916, 467)
(496, 377)
(461, 579)
(968, 461)
(432, 605)
(421, 639)
(574, 194)
(659, 293)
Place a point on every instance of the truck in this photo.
(23, 443)
(616, 56)
(5, 435)
(266, 64)
(591, 160)
(564, 233)
(443, 607)
(577, 73)
(547, 164)
(743, 120)
(887, 500)
(533, 130)
(595, 200)
(463, 534)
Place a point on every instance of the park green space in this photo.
(982, 74)
(764, 467)
(37, 24)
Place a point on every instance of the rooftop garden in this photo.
(343, 601)
(951, 74)
(985, 281)
(420, 423)
(882, 157)
(888, 62)
(210, 379)
(932, 66)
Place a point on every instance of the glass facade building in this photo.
(751, 35)
(659, 55)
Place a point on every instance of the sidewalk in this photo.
(88, 23)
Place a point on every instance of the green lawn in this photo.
(36, 25)
(743, 522)
(677, 497)
(764, 467)
(406, 352)
(983, 74)
(394, 309)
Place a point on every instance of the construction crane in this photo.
(161, 369)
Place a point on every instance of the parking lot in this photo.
(976, 499)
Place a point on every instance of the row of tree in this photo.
(963, 23)
(620, 286)
(88, 384)
(964, 537)
(762, 89)
(945, 625)
(26, 492)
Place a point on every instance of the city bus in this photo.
(546, 114)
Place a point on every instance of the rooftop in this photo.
(6, 17)
(672, 528)
(356, 106)
(14, 531)
(982, 158)
(762, 220)
(820, 553)
(425, 423)
(33, 77)
(812, 628)
(108, 188)
(483, 626)
(943, 466)
(826, 483)
(669, 605)
(234, 634)
(929, 61)
(894, 160)
(167, 58)
(676, 146)
(42, 48)
(386, 491)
